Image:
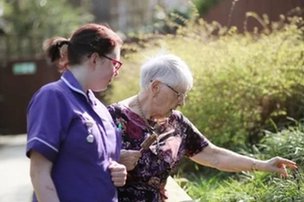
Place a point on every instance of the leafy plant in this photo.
(26, 23)
(258, 186)
(204, 5)
(243, 82)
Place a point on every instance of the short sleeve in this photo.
(45, 122)
(195, 142)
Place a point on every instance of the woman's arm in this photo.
(226, 160)
(40, 172)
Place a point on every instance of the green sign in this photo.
(24, 68)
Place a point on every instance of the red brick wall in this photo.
(229, 15)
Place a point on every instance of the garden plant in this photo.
(247, 96)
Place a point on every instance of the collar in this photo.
(69, 79)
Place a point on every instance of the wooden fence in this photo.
(18, 82)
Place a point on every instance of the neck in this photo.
(143, 106)
(80, 74)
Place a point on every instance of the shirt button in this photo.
(90, 138)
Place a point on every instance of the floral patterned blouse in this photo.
(147, 180)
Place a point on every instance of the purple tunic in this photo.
(76, 133)
(147, 180)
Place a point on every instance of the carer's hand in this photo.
(129, 158)
(280, 165)
(118, 173)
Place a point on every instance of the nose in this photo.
(116, 72)
(181, 101)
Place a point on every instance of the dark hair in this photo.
(87, 39)
(52, 47)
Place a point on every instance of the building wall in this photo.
(132, 15)
(233, 12)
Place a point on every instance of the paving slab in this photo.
(15, 185)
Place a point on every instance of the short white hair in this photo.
(167, 68)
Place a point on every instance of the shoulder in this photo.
(49, 93)
(182, 120)
(178, 116)
(119, 106)
(52, 88)
(114, 109)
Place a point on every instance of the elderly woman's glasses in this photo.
(179, 95)
(117, 64)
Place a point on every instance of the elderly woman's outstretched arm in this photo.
(226, 160)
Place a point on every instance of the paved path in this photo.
(15, 183)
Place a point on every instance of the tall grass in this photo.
(259, 186)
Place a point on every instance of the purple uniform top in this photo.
(75, 131)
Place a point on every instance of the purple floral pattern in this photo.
(147, 180)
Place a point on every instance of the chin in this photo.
(169, 113)
(104, 89)
(100, 89)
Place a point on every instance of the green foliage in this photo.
(288, 143)
(259, 186)
(240, 80)
(27, 23)
(204, 5)
(243, 82)
(42, 17)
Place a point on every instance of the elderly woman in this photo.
(165, 81)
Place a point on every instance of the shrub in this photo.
(288, 143)
(259, 186)
(243, 82)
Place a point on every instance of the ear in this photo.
(155, 87)
(93, 60)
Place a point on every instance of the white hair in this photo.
(167, 68)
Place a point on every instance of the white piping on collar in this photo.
(73, 88)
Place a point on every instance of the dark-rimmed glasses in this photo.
(179, 95)
(117, 64)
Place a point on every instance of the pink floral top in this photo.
(147, 180)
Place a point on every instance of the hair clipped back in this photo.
(52, 47)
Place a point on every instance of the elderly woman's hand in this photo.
(118, 173)
(279, 165)
(129, 158)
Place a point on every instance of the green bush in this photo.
(243, 82)
(247, 188)
(288, 143)
(259, 186)
(203, 6)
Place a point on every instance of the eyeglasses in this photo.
(117, 64)
(179, 95)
